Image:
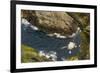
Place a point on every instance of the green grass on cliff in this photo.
(29, 54)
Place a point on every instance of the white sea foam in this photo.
(71, 45)
(34, 27)
(41, 53)
(26, 23)
(63, 47)
(53, 57)
(74, 34)
(50, 55)
(52, 52)
(79, 45)
(57, 35)
(63, 59)
(47, 56)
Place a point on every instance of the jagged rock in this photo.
(51, 21)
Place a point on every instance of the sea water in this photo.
(39, 40)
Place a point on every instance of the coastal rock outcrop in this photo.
(51, 21)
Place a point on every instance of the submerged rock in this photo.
(51, 21)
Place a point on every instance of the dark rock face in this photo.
(51, 21)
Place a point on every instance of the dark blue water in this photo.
(40, 41)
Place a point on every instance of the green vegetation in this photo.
(29, 54)
(72, 58)
(84, 22)
(84, 19)
(84, 47)
(85, 37)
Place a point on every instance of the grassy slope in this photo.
(29, 54)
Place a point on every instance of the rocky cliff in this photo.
(51, 21)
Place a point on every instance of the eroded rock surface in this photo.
(51, 21)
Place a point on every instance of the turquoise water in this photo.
(42, 42)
